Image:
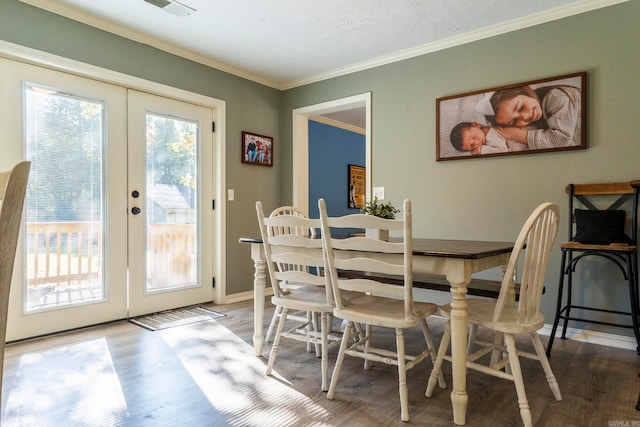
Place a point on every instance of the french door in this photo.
(115, 218)
(170, 203)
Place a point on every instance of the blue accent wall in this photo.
(331, 151)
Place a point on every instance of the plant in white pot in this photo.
(382, 210)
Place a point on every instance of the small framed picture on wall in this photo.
(257, 149)
(356, 186)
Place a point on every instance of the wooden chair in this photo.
(274, 231)
(385, 305)
(13, 186)
(303, 288)
(506, 318)
(599, 231)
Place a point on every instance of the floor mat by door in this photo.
(177, 317)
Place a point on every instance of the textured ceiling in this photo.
(284, 43)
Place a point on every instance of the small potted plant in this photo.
(382, 210)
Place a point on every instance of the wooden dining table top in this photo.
(446, 248)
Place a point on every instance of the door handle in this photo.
(136, 210)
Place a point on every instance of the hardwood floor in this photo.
(205, 374)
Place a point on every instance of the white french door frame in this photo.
(193, 287)
(35, 57)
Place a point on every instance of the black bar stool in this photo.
(594, 231)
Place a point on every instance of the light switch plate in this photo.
(378, 192)
(231, 194)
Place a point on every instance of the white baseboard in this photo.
(593, 337)
(244, 296)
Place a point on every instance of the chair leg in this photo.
(473, 334)
(638, 404)
(367, 344)
(496, 355)
(633, 296)
(556, 320)
(272, 325)
(551, 379)
(276, 340)
(344, 344)
(514, 361)
(568, 306)
(402, 375)
(312, 319)
(358, 335)
(324, 329)
(432, 350)
(437, 366)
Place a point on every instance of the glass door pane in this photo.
(172, 203)
(71, 264)
(64, 203)
(170, 179)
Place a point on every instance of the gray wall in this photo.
(476, 199)
(490, 198)
(250, 106)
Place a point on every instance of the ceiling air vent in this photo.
(172, 6)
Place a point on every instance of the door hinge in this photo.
(213, 204)
(213, 126)
(213, 282)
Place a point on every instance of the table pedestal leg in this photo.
(259, 285)
(459, 396)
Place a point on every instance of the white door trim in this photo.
(301, 142)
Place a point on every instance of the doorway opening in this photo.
(301, 118)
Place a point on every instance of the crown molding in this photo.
(472, 36)
(338, 124)
(502, 28)
(119, 30)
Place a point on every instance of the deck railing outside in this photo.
(63, 252)
(67, 257)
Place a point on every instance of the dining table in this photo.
(456, 260)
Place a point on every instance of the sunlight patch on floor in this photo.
(234, 380)
(84, 379)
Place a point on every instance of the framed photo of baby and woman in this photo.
(531, 117)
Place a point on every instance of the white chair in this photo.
(385, 305)
(303, 288)
(507, 318)
(13, 185)
(273, 231)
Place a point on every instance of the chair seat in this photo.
(480, 312)
(378, 311)
(304, 297)
(614, 247)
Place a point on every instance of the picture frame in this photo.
(356, 186)
(257, 149)
(552, 117)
